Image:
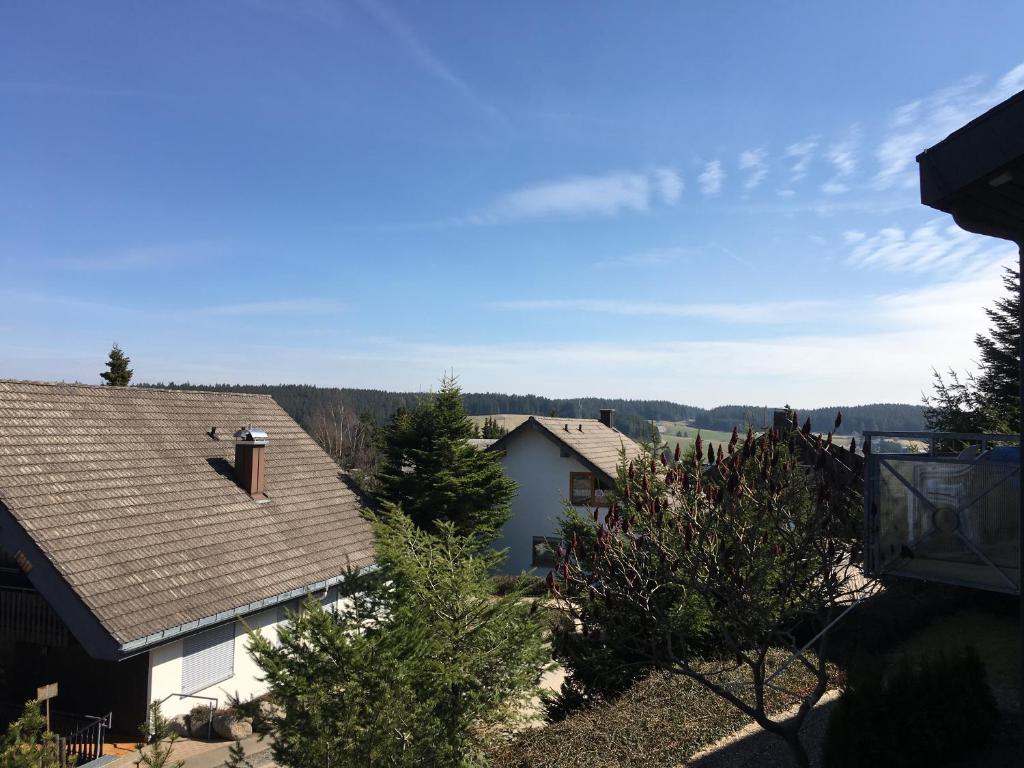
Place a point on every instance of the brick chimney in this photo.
(608, 417)
(250, 445)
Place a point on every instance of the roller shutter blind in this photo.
(208, 658)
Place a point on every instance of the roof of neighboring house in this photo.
(596, 444)
(131, 500)
(482, 443)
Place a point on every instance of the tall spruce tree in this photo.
(433, 474)
(118, 374)
(986, 402)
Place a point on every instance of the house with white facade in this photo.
(555, 461)
(144, 531)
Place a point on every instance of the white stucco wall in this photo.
(536, 464)
(165, 664)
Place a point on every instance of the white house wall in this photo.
(165, 664)
(536, 464)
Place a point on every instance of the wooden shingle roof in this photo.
(594, 442)
(135, 505)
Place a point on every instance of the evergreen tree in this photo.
(27, 743)
(422, 666)
(157, 753)
(492, 429)
(999, 380)
(236, 757)
(118, 374)
(433, 474)
(988, 401)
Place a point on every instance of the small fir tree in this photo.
(118, 374)
(423, 665)
(433, 474)
(28, 744)
(492, 429)
(236, 756)
(157, 742)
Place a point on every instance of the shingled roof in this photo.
(131, 500)
(595, 443)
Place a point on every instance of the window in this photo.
(208, 658)
(581, 488)
(545, 551)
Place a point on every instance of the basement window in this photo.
(208, 658)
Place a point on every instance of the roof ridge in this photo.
(134, 388)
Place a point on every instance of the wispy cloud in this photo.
(280, 307)
(653, 258)
(606, 195)
(800, 154)
(904, 335)
(919, 124)
(760, 312)
(139, 257)
(669, 184)
(711, 178)
(403, 33)
(843, 157)
(753, 161)
(937, 247)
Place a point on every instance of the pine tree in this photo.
(492, 429)
(27, 743)
(988, 401)
(118, 374)
(423, 665)
(236, 756)
(433, 474)
(157, 752)
(999, 380)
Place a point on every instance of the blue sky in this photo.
(705, 202)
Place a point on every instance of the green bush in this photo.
(915, 715)
(526, 584)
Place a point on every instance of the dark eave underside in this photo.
(977, 172)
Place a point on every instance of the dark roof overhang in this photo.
(87, 629)
(976, 174)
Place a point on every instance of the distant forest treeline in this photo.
(303, 402)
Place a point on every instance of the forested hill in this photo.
(303, 402)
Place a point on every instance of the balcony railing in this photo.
(944, 516)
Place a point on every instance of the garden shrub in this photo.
(526, 584)
(924, 714)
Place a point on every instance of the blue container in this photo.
(1005, 453)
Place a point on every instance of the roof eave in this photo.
(976, 174)
(532, 423)
(142, 644)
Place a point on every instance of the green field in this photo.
(508, 420)
(671, 437)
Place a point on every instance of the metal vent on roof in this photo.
(252, 435)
